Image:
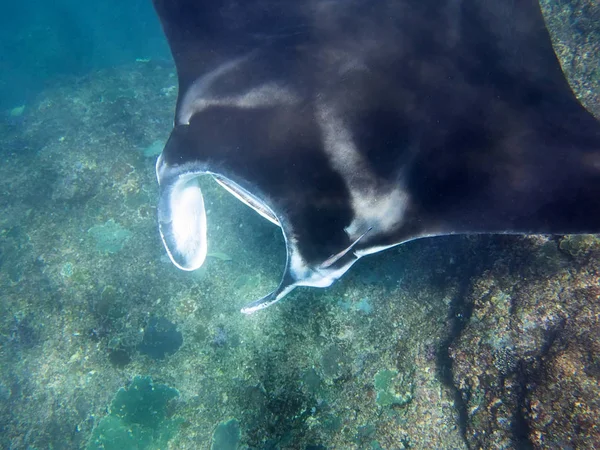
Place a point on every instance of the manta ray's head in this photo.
(266, 140)
(273, 166)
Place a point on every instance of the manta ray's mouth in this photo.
(183, 228)
(182, 218)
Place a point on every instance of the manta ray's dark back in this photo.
(357, 125)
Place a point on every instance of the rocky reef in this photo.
(527, 364)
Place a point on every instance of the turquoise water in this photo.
(440, 343)
(43, 41)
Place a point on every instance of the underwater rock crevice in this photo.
(459, 314)
(520, 426)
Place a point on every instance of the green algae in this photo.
(109, 237)
(138, 418)
(244, 281)
(17, 111)
(386, 395)
(226, 436)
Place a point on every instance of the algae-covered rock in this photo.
(335, 362)
(574, 27)
(138, 418)
(579, 245)
(75, 185)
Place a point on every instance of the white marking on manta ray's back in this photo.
(298, 267)
(309, 276)
(199, 87)
(376, 205)
(380, 248)
(199, 96)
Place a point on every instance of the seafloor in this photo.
(446, 343)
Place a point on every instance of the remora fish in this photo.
(359, 125)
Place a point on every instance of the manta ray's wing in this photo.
(513, 150)
(360, 125)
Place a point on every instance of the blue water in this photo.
(42, 41)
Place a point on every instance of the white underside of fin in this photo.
(183, 225)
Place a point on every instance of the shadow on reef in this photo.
(523, 364)
(459, 314)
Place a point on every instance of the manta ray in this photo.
(358, 125)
